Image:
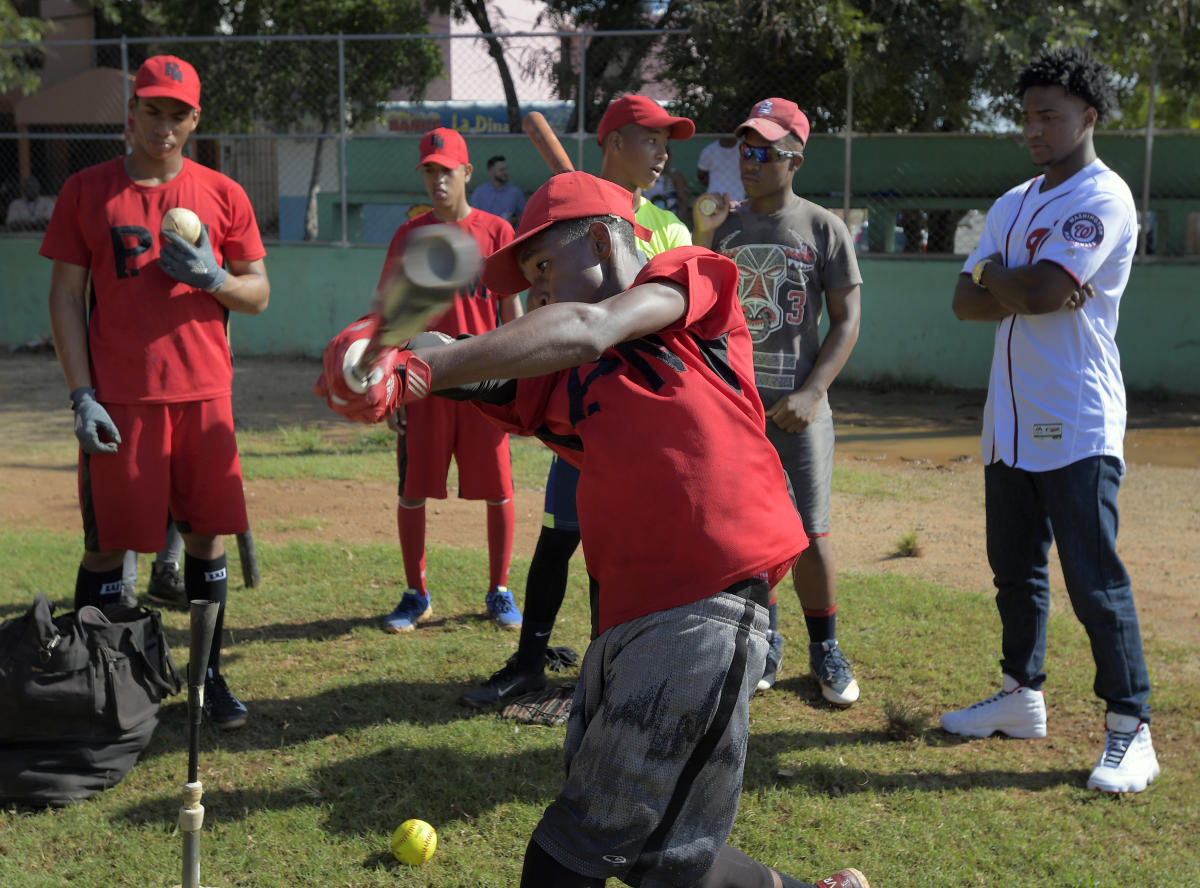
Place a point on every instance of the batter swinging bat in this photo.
(438, 260)
(547, 144)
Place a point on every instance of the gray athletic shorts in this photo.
(656, 743)
(808, 460)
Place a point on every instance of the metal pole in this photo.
(1145, 236)
(341, 45)
(581, 102)
(203, 615)
(849, 139)
(125, 72)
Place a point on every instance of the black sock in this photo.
(207, 579)
(545, 588)
(733, 869)
(789, 882)
(540, 870)
(97, 588)
(822, 627)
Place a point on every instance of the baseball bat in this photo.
(249, 558)
(437, 261)
(546, 143)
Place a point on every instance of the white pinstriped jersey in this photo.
(1055, 394)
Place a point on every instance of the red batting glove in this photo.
(395, 376)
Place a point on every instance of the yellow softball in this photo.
(414, 842)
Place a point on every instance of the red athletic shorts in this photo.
(439, 428)
(180, 458)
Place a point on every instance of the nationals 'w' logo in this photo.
(1035, 240)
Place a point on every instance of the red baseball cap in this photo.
(169, 77)
(445, 147)
(645, 112)
(565, 196)
(774, 118)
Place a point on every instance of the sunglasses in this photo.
(766, 154)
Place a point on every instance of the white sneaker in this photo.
(1016, 711)
(1128, 762)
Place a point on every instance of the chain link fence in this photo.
(322, 132)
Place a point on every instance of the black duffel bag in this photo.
(79, 699)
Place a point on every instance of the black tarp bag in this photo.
(79, 699)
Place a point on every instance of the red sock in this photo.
(411, 524)
(500, 520)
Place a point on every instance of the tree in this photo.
(924, 65)
(477, 11)
(291, 84)
(17, 69)
(613, 65)
(1141, 40)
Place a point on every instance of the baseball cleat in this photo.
(221, 707)
(412, 609)
(1128, 762)
(166, 586)
(833, 673)
(506, 684)
(502, 609)
(1017, 711)
(846, 878)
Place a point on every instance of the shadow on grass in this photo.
(455, 783)
(41, 467)
(363, 792)
(314, 630)
(278, 723)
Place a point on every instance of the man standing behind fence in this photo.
(792, 253)
(1049, 271)
(497, 195)
(139, 321)
(432, 431)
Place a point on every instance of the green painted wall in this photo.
(908, 332)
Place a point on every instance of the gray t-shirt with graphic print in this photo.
(788, 261)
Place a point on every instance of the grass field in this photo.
(353, 731)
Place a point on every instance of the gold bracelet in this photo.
(977, 272)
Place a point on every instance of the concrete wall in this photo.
(908, 332)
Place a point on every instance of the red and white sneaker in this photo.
(1016, 711)
(847, 878)
(1128, 762)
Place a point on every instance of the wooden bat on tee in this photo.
(546, 143)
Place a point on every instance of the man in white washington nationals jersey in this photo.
(1049, 272)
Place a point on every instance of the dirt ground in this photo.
(911, 459)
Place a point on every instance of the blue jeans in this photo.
(1077, 507)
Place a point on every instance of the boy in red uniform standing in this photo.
(643, 378)
(139, 322)
(431, 432)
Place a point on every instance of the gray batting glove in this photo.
(193, 264)
(90, 420)
(429, 338)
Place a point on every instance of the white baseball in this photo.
(707, 206)
(183, 222)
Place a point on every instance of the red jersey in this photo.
(475, 308)
(680, 493)
(151, 338)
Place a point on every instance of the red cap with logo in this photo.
(168, 77)
(644, 111)
(775, 118)
(445, 147)
(565, 196)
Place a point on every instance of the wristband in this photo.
(977, 272)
